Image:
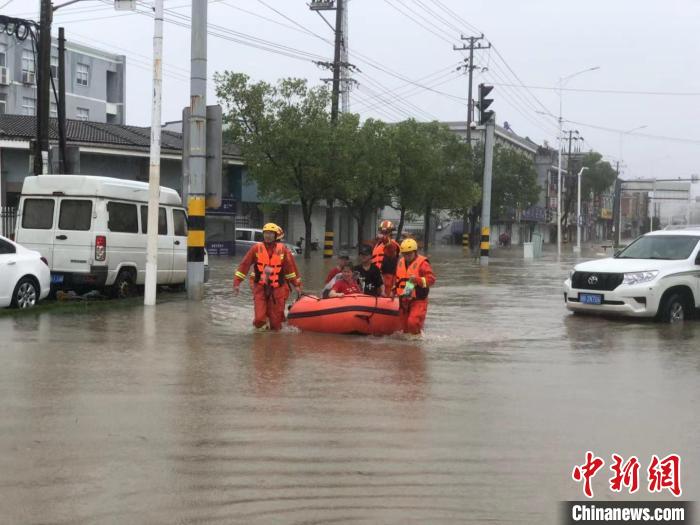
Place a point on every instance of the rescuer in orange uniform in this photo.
(414, 277)
(273, 267)
(385, 254)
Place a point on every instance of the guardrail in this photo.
(8, 220)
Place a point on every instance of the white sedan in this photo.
(24, 275)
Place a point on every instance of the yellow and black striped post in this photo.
(195, 244)
(485, 242)
(465, 241)
(328, 245)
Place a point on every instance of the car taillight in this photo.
(43, 259)
(100, 248)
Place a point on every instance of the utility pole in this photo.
(337, 66)
(470, 69)
(43, 78)
(470, 115)
(154, 166)
(490, 133)
(344, 58)
(63, 163)
(196, 194)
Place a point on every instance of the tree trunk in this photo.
(402, 216)
(426, 228)
(360, 228)
(306, 210)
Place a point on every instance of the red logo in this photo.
(587, 471)
(626, 475)
(665, 474)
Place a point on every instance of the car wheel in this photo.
(26, 293)
(675, 309)
(124, 286)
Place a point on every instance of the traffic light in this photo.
(484, 103)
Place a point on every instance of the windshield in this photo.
(670, 247)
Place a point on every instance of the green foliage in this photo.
(284, 134)
(514, 181)
(599, 176)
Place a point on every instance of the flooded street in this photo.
(181, 414)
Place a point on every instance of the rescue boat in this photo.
(350, 314)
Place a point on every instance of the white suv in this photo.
(657, 275)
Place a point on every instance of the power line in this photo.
(643, 135)
(612, 91)
(418, 22)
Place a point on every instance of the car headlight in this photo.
(640, 277)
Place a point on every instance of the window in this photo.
(38, 214)
(162, 221)
(82, 74)
(28, 106)
(82, 114)
(123, 218)
(75, 215)
(180, 220)
(27, 61)
(6, 247)
(242, 235)
(259, 237)
(53, 111)
(3, 103)
(3, 55)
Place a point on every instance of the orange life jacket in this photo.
(403, 274)
(378, 252)
(268, 270)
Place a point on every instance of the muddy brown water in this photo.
(181, 414)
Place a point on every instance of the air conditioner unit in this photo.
(4, 76)
(28, 77)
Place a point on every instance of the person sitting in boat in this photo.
(369, 276)
(414, 277)
(273, 267)
(342, 259)
(347, 285)
(385, 253)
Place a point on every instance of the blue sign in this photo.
(228, 207)
(221, 248)
(535, 213)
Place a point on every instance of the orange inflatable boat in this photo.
(351, 314)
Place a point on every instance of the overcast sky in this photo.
(639, 45)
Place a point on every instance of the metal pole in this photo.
(653, 205)
(149, 298)
(63, 164)
(43, 74)
(559, 175)
(196, 195)
(578, 213)
(486, 200)
(345, 90)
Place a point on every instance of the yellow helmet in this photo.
(272, 227)
(409, 245)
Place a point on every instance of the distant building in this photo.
(95, 81)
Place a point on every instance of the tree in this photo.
(284, 134)
(597, 179)
(365, 167)
(514, 185)
(446, 185)
(409, 147)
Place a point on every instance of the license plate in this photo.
(56, 278)
(590, 298)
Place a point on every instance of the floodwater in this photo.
(181, 414)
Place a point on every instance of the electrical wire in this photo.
(612, 91)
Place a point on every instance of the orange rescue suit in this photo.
(414, 308)
(274, 266)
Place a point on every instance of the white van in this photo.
(92, 231)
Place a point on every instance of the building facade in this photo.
(95, 81)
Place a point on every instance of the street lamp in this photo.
(562, 83)
(577, 249)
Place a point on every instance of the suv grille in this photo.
(596, 281)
